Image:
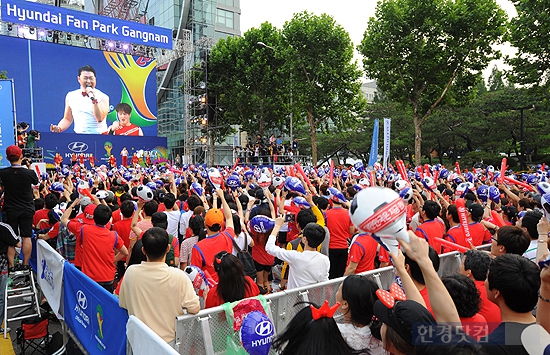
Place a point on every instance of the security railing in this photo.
(207, 331)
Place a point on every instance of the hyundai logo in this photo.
(78, 147)
(81, 299)
(265, 328)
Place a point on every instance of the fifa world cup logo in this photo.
(108, 147)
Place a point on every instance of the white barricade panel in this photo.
(144, 341)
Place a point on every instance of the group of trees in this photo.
(427, 58)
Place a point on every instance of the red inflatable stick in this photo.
(402, 170)
(234, 165)
(502, 170)
(300, 171)
(463, 218)
(420, 172)
(427, 170)
(457, 165)
(452, 245)
(372, 178)
(511, 181)
(497, 219)
(331, 173)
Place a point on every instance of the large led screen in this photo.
(48, 88)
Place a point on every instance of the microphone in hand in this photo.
(91, 95)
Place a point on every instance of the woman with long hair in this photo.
(309, 335)
(233, 284)
(360, 329)
(196, 225)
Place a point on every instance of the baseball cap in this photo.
(159, 219)
(13, 152)
(88, 214)
(403, 316)
(476, 210)
(213, 216)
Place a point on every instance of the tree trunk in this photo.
(313, 136)
(417, 141)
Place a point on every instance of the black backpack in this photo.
(245, 258)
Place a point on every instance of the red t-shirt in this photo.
(338, 224)
(41, 214)
(214, 299)
(98, 246)
(456, 235)
(488, 309)
(363, 252)
(131, 130)
(479, 234)
(260, 255)
(54, 231)
(475, 326)
(430, 230)
(424, 294)
(204, 251)
(292, 226)
(123, 229)
(74, 227)
(117, 216)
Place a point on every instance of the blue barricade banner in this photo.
(50, 275)
(373, 157)
(57, 18)
(7, 117)
(93, 314)
(101, 146)
(387, 140)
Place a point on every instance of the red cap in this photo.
(13, 153)
(88, 215)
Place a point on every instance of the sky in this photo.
(353, 15)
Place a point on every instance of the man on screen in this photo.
(123, 126)
(87, 107)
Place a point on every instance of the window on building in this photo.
(226, 2)
(152, 21)
(224, 18)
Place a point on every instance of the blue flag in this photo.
(373, 158)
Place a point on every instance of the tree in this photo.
(495, 80)
(3, 74)
(529, 32)
(429, 52)
(326, 84)
(249, 81)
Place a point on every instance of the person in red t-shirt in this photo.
(233, 284)
(123, 229)
(362, 254)
(418, 278)
(112, 161)
(217, 240)
(57, 160)
(467, 302)
(75, 225)
(341, 229)
(123, 126)
(432, 227)
(475, 265)
(135, 160)
(102, 249)
(81, 158)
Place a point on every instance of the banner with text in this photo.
(93, 314)
(373, 157)
(7, 118)
(99, 147)
(50, 272)
(387, 138)
(57, 18)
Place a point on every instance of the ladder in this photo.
(16, 296)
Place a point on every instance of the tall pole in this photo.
(291, 112)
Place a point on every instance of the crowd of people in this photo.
(267, 151)
(142, 231)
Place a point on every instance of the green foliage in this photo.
(250, 81)
(496, 81)
(3, 74)
(430, 52)
(529, 32)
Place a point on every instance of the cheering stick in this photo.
(234, 165)
(509, 180)
(402, 170)
(463, 218)
(451, 245)
(427, 170)
(457, 165)
(298, 168)
(502, 170)
(331, 173)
